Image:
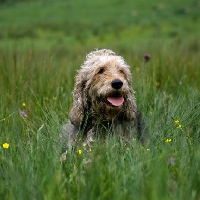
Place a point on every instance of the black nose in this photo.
(116, 84)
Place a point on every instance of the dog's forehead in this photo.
(111, 61)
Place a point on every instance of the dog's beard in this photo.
(108, 107)
(103, 111)
(107, 103)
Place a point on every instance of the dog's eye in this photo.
(121, 71)
(101, 71)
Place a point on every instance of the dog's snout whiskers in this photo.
(116, 84)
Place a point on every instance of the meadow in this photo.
(43, 43)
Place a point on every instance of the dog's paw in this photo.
(63, 157)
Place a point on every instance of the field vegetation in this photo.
(43, 43)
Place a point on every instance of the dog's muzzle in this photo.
(116, 99)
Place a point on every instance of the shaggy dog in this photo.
(103, 100)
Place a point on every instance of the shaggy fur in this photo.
(103, 100)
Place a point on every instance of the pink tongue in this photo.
(116, 101)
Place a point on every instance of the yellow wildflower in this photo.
(148, 149)
(168, 140)
(157, 83)
(174, 170)
(79, 152)
(138, 69)
(5, 145)
(176, 121)
(179, 126)
(23, 104)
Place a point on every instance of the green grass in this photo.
(59, 23)
(42, 44)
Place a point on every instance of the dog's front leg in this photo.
(68, 135)
(90, 136)
(141, 128)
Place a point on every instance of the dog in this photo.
(103, 100)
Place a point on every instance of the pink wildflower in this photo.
(24, 113)
(147, 57)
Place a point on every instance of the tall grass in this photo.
(167, 89)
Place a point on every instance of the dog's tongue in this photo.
(116, 101)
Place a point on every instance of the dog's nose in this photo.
(116, 84)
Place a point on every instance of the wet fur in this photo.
(91, 114)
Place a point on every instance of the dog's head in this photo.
(104, 88)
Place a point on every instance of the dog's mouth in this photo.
(115, 101)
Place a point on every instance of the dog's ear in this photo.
(79, 100)
(131, 108)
